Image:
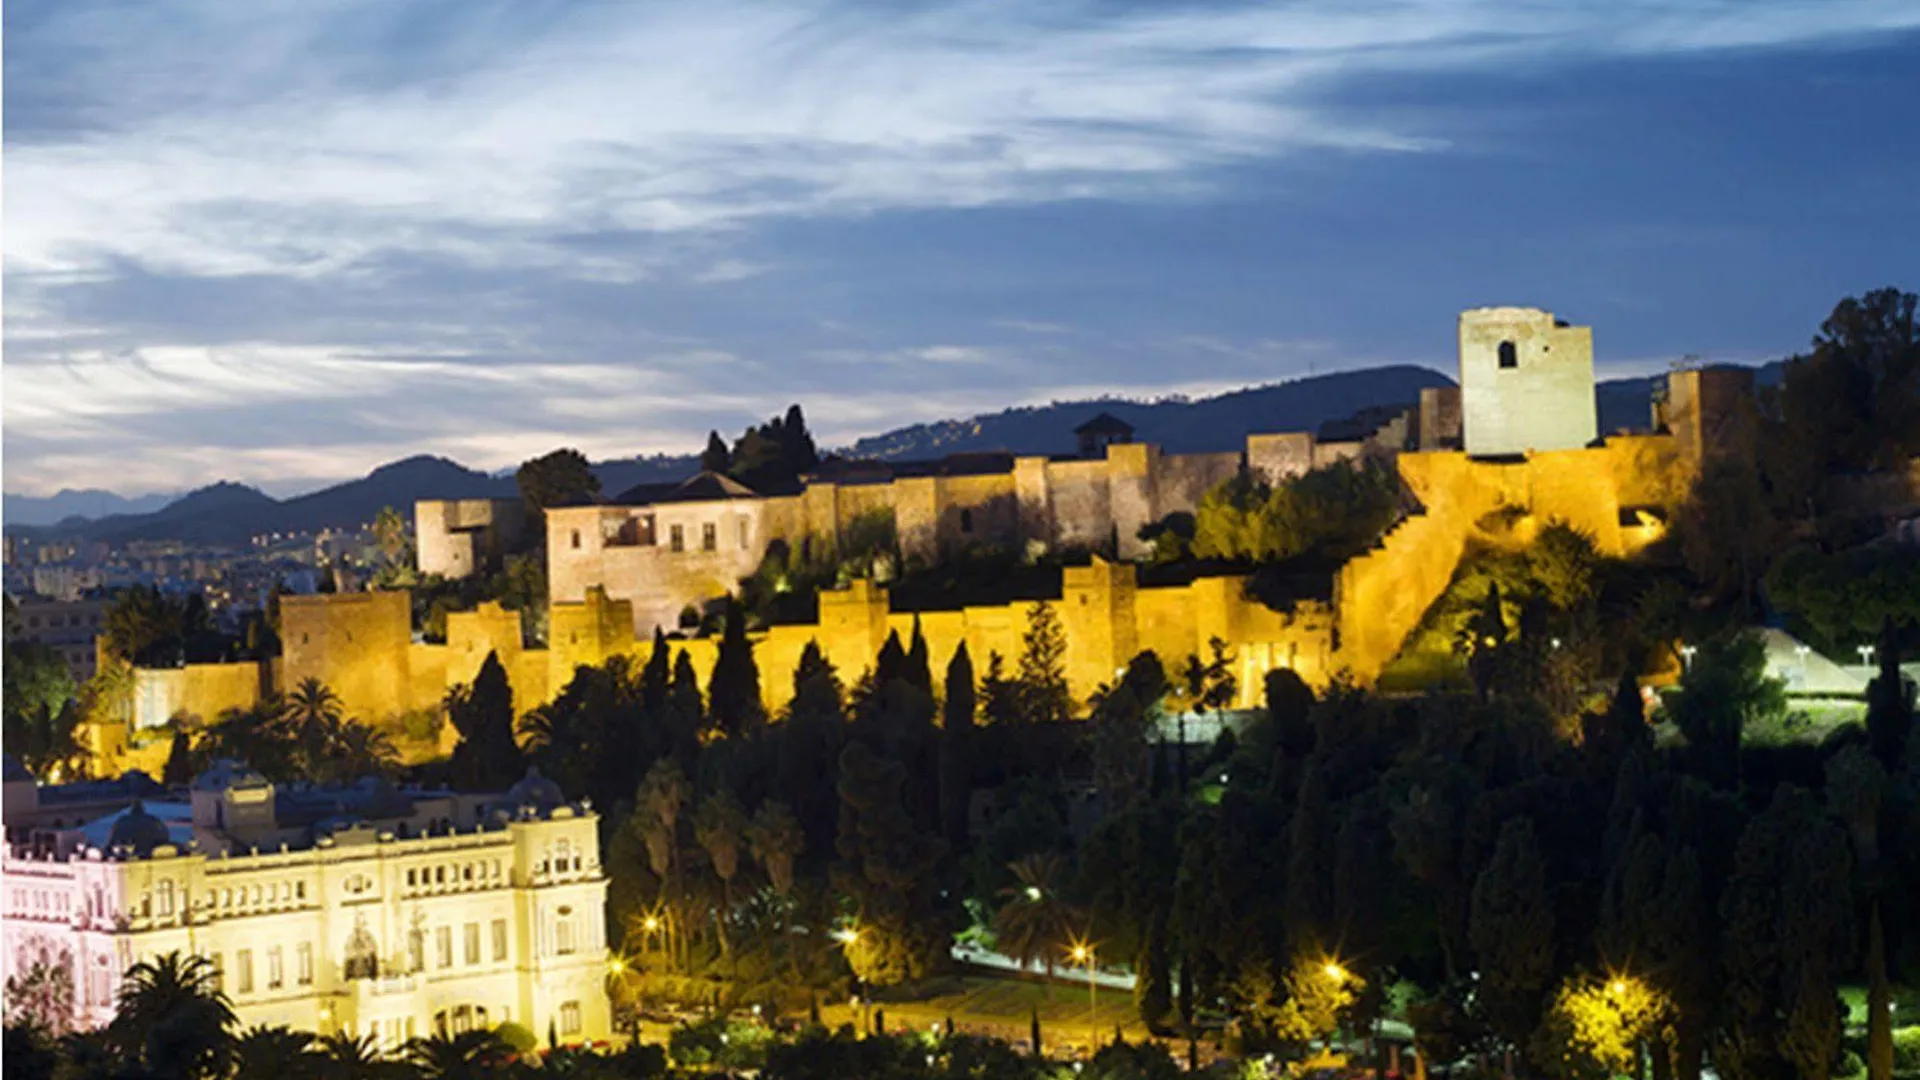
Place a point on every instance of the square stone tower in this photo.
(1526, 382)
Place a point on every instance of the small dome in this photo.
(139, 830)
(535, 790)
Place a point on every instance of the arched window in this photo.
(1509, 356)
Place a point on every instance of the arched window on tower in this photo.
(1509, 356)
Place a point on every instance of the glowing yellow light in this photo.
(1033, 892)
(650, 923)
(1617, 987)
(1335, 972)
(1080, 954)
(617, 966)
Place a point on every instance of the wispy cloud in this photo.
(396, 227)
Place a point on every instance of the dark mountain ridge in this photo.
(230, 513)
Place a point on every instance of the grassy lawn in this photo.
(1001, 1005)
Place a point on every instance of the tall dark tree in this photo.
(956, 750)
(487, 758)
(657, 676)
(1889, 703)
(918, 670)
(560, 478)
(182, 765)
(686, 712)
(733, 693)
(1044, 697)
(1512, 930)
(887, 869)
(999, 695)
(1780, 969)
(1725, 690)
(715, 458)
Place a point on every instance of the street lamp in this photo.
(1082, 953)
(1686, 657)
(1334, 971)
(1866, 654)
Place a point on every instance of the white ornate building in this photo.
(367, 909)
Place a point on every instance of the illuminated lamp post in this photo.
(1082, 953)
(1686, 658)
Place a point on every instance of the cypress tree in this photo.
(715, 458)
(733, 693)
(685, 714)
(656, 676)
(956, 759)
(487, 757)
(918, 670)
(179, 768)
(1889, 704)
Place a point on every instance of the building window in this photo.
(570, 1018)
(1509, 356)
(676, 538)
(499, 940)
(576, 539)
(416, 950)
(300, 890)
(443, 946)
(563, 942)
(219, 972)
(243, 971)
(413, 878)
(462, 1020)
(303, 963)
(276, 969)
(166, 898)
(743, 534)
(709, 537)
(472, 936)
(966, 521)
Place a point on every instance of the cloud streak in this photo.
(394, 205)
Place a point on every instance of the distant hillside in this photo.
(1177, 426)
(397, 484)
(1628, 403)
(203, 516)
(91, 504)
(616, 476)
(228, 513)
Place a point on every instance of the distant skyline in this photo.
(284, 242)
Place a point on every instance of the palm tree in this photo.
(349, 1057)
(719, 827)
(470, 1055)
(355, 749)
(314, 710)
(776, 839)
(173, 1018)
(1034, 923)
(662, 794)
(278, 1052)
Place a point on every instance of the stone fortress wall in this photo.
(614, 571)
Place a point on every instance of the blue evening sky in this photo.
(283, 241)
